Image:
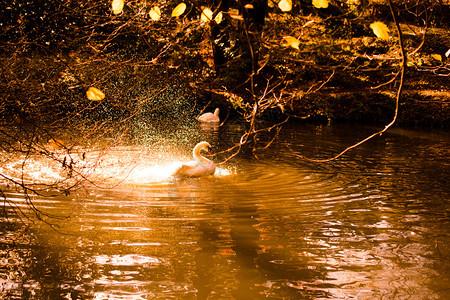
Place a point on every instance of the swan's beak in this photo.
(210, 150)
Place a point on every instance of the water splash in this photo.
(122, 165)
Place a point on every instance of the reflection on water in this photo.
(374, 224)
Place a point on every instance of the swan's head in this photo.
(216, 112)
(202, 146)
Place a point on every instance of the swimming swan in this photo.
(210, 117)
(201, 167)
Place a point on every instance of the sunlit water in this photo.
(372, 225)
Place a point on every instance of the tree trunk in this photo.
(237, 51)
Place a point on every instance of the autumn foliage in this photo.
(117, 58)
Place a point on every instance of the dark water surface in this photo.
(374, 224)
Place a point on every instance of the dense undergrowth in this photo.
(155, 71)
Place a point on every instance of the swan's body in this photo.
(210, 117)
(201, 167)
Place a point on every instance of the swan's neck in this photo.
(216, 112)
(200, 158)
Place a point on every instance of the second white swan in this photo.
(210, 117)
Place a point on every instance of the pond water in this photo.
(373, 224)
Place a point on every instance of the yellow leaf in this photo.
(409, 64)
(354, 2)
(237, 17)
(94, 94)
(380, 29)
(206, 15)
(234, 14)
(155, 13)
(56, 143)
(292, 41)
(219, 17)
(179, 10)
(437, 57)
(117, 6)
(320, 3)
(285, 5)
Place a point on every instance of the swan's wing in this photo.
(196, 170)
(204, 117)
(209, 117)
(181, 170)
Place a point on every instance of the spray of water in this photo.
(128, 165)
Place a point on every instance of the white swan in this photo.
(201, 167)
(210, 117)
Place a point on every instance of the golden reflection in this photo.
(125, 260)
